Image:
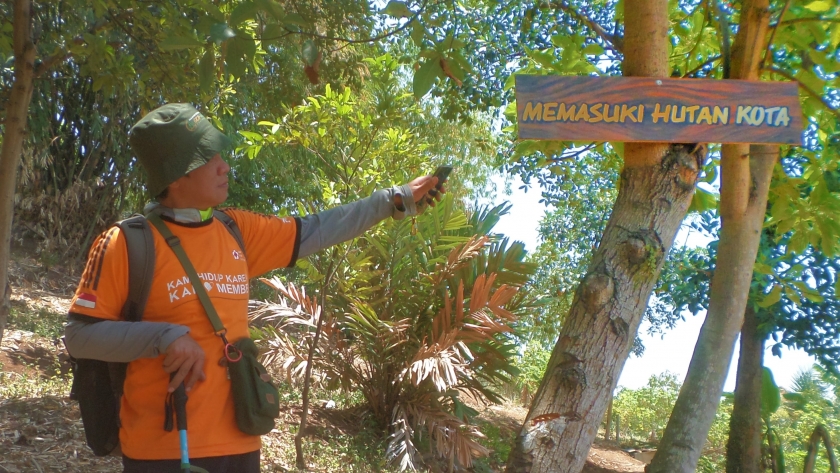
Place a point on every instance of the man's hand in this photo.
(420, 188)
(185, 358)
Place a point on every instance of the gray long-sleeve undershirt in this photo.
(122, 342)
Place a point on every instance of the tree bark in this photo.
(694, 411)
(609, 303)
(745, 179)
(743, 449)
(15, 131)
(656, 188)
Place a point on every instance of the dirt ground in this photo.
(43, 432)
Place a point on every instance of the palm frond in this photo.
(460, 257)
(401, 450)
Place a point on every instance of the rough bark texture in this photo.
(743, 449)
(745, 179)
(657, 185)
(685, 435)
(15, 131)
(605, 314)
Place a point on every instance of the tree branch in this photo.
(615, 42)
(814, 18)
(811, 92)
(701, 66)
(773, 35)
(565, 157)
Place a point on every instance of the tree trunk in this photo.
(656, 188)
(745, 180)
(697, 403)
(743, 449)
(819, 433)
(15, 131)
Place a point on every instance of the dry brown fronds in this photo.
(460, 257)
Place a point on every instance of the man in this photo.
(181, 153)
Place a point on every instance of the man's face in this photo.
(204, 187)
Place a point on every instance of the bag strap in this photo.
(175, 243)
(232, 227)
(140, 246)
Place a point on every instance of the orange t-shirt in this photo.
(270, 243)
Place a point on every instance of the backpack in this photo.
(98, 385)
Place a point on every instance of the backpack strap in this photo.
(140, 246)
(232, 227)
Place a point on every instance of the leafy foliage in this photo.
(643, 413)
(807, 410)
(413, 344)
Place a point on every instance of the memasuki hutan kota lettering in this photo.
(659, 113)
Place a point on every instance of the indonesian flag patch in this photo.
(86, 300)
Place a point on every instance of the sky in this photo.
(671, 352)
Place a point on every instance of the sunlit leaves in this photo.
(773, 297)
(244, 11)
(703, 200)
(397, 9)
(424, 77)
(819, 6)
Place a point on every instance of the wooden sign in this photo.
(660, 110)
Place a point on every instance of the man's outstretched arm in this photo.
(345, 222)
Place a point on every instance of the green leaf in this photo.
(811, 80)
(309, 52)
(243, 11)
(206, 68)
(255, 137)
(773, 297)
(418, 32)
(174, 43)
(272, 8)
(702, 201)
(593, 49)
(618, 147)
(272, 32)
(798, 400)
(791, 294)
(396, 9)
(819, 6)
(771, 397)
(809, 293)
(543, 58)
(221, 32)
(233, 58)
(424, 77)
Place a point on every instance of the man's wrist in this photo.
(170, 335)
(398, 202)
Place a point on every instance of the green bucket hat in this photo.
(171, 141)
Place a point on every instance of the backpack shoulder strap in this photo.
(140, 246)
(232, 227)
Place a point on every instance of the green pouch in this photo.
(255, 398)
